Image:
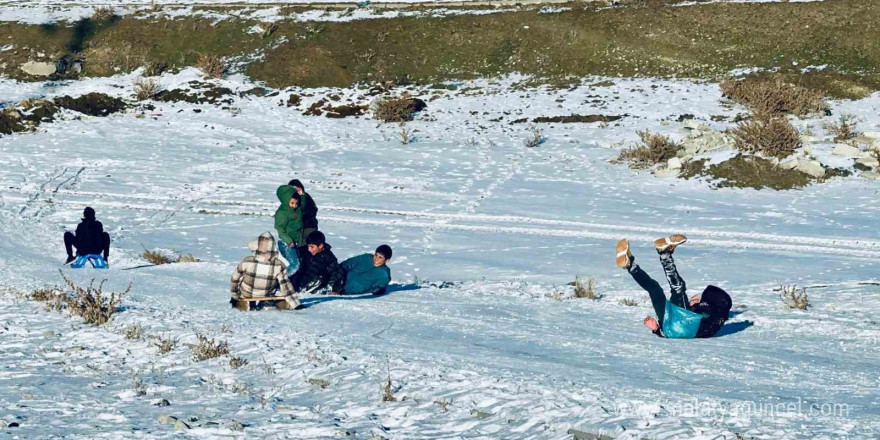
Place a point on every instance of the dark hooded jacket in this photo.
(288, 221)
(715, 307)
(309, 212)
(321, 269)
(89, 237)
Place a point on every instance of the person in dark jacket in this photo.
(319, 268)
(89, 238)
(309, 208)
(367, 273)
(700, 317)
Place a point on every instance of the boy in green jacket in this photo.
(289, 224)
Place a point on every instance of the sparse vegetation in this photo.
(207, 348)
(534, 136)
(655, 149)
(134, 332)
(405, 134)
(90, 302)
(164, 344)
(772, 136)
(630, 302)
(155, 257)
(318, 382)
(103, 13)
(237, 362)
(187, 258)
(794, 298)
(212, 66)
(146, 88)
(387, 394)
(585, 289)
(138, 384)
(844, 129)
(397, 109)
(155, 68)
(773, 96)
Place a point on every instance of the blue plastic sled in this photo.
(97, 261)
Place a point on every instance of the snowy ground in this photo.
(489, 357)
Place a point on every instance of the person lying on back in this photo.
(319, 268)
(367, 273)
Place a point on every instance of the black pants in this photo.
(70, 242)
(658, 296)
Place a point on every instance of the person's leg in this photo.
(676, 284)
(105, 246)
(69, 240)
(655, 292)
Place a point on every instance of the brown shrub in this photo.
(772, 136)
(90, 303)
(146, 88)
(770, 96)
(135, 332)
(400, 109)
(164, 344)
(102, 13)
(655, 149)
(155, 257)
(237, 362)
(585, 289)
(208, 349)
(155, 68)
(844, 129)
(795, 298)
(212, 66)
(387, 394)
(630, 302)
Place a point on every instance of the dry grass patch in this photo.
(794, 298)
(146, 88)
(630, 302)
(397, 109)
(156, 257)
(655, 149)
(772, 136)
(585, 288)
(534, 137)
(155, 68)
(387, 394)
(207, 348)
(771, 96)
(91, 303)
(102, 13)
(237, 362)
(844, 129)
(134, 332)
(318, 382)
(212, 66)
(164, 344)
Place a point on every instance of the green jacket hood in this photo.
(284, 193)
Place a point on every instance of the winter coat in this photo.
(321, 269)
(361, 276)
(288, 221)
(680, 323)
(89, 237)
(309, 211)
(263, 273)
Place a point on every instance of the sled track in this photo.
(496, 224)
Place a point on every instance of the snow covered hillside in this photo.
(486, 234)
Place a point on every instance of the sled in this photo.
(245, 304)
(97, 261)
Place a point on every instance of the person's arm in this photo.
(281, 221)
(236, 279)
(284, 285)
(310, 208)
(336, 276)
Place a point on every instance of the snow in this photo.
(485, 232)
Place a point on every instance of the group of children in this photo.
(302, 260)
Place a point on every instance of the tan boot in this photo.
(624, 256)
(668, 244)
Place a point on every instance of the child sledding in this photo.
(91, 242)
(677, 317)
(261, 279)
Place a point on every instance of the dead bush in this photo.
(770, 96)
(156, 257)
(90, 303)
(405, 134)
(534, 137)
(212, 66)
(155, 68)
(399, 109)
(165, 344)
(630, 302)
(53, 298)
(772, 136)
(187, 258)
(387, 394)
(585, 289)
(237, 362)
(134, 332)
(138, 384)
(208, 348)
(844, 129)
(655, 149)
(102, 13)
(146, 88)
(318, 382)
(794, 298)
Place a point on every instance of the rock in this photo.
(863, 140)
(789, 164)
(870, 162)
(480, 414)
(808, 139)
(236, 426)
(27, 396)
(166, 419)
(48, 334)
(674, 163)
(872, 134)
(163, 403)
(870, 175)
(3, 424)
(699, 142)
(811, 167)
(665, 172)
(845, 150)
(92, 104)
(37, 68)
(180, 425)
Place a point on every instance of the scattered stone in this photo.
(868, 161)
(180, 425)
(685, 117)
(845, 150)
(37, 68)
(48, 334)
(873, 175)
(811, 167)
(583, 435)
(204, 93)
(665, 172)
(3, 424)
(92, 104)
(674, 163)
(695, 125)
(236, 426)
(256, 91)
(480, 414)
(27, 396)
(700, 142)
(789, 164)
(577, 118)
(863, 140)
(165, 419)
(294, 100)
(872, 134)
(163, 403)
(808, 139)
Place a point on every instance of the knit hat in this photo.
(718, 300)
(88, 213)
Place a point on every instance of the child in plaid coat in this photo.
(263, 274)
